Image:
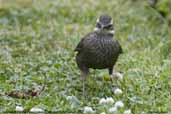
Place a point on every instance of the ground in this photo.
(36, 48)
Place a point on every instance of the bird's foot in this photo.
(83, 88)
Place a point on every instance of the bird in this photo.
(98, 49)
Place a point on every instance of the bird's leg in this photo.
(83, 78)
(111, 73)
(111, 78)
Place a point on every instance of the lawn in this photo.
(37, 41)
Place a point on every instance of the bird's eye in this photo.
(109, 27)
(98, 25)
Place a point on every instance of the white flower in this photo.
(102, 113)
(88, 110)
(118, 75)
(127, 112)
(119, 104)
(102, 101)
(113, 110)
(109, 100)
(143, 113)
(118, 91)
(69, 97)
(36, 110)
(19, 108)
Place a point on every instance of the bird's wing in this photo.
(119, 47)
(85, 42)
(80, 45)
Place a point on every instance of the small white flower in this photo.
(118, 75)
(118, 91)
(102, 113)
(102, 101)
(69, 97)
(127, 112)
(19, 109)
(119, 104)
(143, 113)
(36, 110)
(88, 109)
(109, 100)
(113, 110)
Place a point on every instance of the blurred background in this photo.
(37, 39)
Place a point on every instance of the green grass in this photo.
(37, 43)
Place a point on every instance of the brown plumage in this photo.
(98, 49)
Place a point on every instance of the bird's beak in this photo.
(102, 26)
(96, 29)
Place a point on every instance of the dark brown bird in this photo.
(98, 49)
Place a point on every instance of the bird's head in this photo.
(105, 24)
